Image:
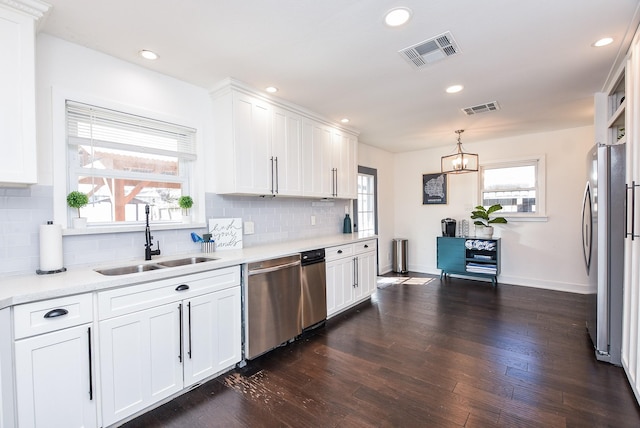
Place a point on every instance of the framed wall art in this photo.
(434, 189)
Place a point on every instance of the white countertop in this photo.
(20, 289)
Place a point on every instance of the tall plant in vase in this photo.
(483, 220)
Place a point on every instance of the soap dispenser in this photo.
(347, 224)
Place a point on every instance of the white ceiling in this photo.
(337, 58)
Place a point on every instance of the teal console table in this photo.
(469, 257)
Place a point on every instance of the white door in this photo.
(140, 360)
(212, 334)
(54, 379)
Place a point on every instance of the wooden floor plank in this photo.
(454, 353)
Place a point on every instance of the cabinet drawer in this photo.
(365, 246)
(138, 297)
(50, 315)
(334, 253)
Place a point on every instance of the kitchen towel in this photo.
(50, 248)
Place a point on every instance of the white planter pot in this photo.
(485, 232)
(186, 218)
(79, 222)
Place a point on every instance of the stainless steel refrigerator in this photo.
(603, 220)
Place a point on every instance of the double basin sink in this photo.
(124, 270)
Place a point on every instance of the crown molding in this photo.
(34, 8)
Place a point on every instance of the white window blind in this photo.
(117, 130)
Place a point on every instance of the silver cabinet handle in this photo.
(55, 313)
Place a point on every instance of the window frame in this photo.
(539, 162)
(62, 175)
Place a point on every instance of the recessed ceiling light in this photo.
(603, 42)
(271, 89)
(344, 120)
(454, 88)
(146, 54)
(397, 17)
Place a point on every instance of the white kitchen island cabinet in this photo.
(54, 363)
(18, 163)
(351, 275)
(158, 338)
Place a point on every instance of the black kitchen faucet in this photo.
(148, 252)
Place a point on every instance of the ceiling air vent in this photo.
(481, 108)
(430, 51)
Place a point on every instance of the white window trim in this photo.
(59, 161)
(541, 179)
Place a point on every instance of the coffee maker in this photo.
(448, 227)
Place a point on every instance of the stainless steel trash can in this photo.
(399, 255)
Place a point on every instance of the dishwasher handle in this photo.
(274, 268)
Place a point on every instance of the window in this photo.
(518, 186)
(365, 205)
(124, 162)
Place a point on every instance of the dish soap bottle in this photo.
(347, 224)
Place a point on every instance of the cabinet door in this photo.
(252, 152)
(366, 274)
(212, 334)
(286, 150)
(18, 162)
(451, 254)
(140, 360)
(340, 285)
(317, 153)
(54, 381)
(345, 165)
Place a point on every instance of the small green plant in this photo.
(482, 216)
(77, 200)
(185, 202)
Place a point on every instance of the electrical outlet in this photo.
(313, 220)
(248, 228)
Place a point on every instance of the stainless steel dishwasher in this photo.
(314, 288)
(272, 304)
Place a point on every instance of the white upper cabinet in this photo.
(267, 147)
(330, 164)
(18, 163)
(286, 153)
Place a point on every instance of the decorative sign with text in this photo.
(226, 232)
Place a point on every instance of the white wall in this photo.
(381, 160)
(539, 254)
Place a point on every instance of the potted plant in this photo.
(484, 220)
(185, 202)
(78, 200)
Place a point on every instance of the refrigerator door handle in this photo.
(587, 229)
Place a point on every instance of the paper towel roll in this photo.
(50, 247)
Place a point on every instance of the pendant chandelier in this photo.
(459, 162)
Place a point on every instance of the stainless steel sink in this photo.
(187, 261)
(123, 270)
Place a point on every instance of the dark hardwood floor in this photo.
(457, 353)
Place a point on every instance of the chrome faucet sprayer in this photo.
(148, 252)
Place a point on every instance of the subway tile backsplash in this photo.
(23, 210)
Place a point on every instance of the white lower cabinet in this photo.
(158, 338)
(339, 285)
(55, 382)
(351, 275)
(213, 337)
(139, 360)
(54, 363)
